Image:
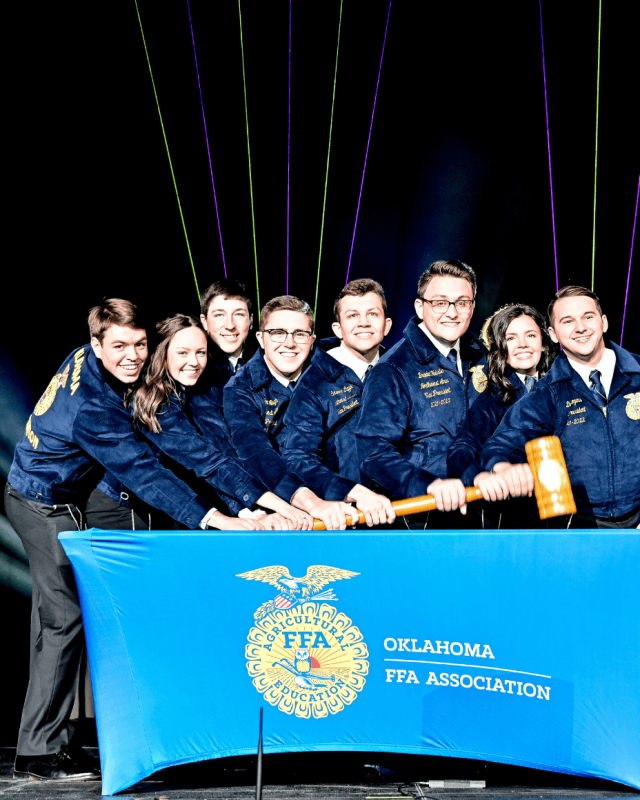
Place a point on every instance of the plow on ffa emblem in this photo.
(305, 656)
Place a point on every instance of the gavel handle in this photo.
(412, 505)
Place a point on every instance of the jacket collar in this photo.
(563, 371)
(330, 368)
(103, 375)
(323, 362)
(258, 372)
(471, 351)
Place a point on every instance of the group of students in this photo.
(203, 433)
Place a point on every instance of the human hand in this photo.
(333, 514)
(377, 508)
(518, 477)
(493, 487)
(449, 494)
(223, 523)
(297, 520)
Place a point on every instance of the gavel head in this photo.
(552, 485)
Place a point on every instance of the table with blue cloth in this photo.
(521, 647)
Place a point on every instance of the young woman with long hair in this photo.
(160, 408)
(520, 352)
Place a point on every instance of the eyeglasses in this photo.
(443, 305)
(279, 335)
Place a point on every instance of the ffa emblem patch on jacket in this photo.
(479, 378)
(46, 401)
(633, 406)
(303, 655)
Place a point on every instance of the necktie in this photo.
(452, 356)
(530, 383)
(597, 388)
(366, 372)
(239, 363)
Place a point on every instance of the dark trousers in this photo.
(57, 635)
(586, 521)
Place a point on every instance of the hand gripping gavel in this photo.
(551, 485)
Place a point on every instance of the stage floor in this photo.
(328, 775)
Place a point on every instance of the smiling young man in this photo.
(78, 427)
(256, 398)
(319, 441)
(420, 392)
(590, 399)
(226, 317)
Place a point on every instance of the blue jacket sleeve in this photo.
(253, 446)
(530, 418)
(214, 462)
(463, 458)
(105, 432)
(305, 423)
(381, 432)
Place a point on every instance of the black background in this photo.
(457, 168)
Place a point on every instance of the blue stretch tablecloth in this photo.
(519, 647)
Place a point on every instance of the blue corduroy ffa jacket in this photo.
(254, 407)
(463, 459)
(413, 404)
(320, 442)
(80, 426)
(602, 451)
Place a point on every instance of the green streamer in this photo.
(326, 180)
(246, 112)
(175, 185)
(595, 174)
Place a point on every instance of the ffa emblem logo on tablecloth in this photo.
(305, 656)
(633, 406)
(46, 401)
(479, 378)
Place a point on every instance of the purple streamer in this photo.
(546, 111)
(368, 142)
(206, 136)
(633, 236)
(289, 147)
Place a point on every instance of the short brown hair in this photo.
(286, 302)
(359, 288)
(113, 311)
(453, 269)
(572, 291)
(227, 288)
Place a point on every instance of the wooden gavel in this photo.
(551, 485)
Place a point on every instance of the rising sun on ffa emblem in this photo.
(306, 657)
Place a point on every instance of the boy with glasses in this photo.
(256, 398)
(417, 397)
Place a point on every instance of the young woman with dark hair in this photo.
(161, 411)
(520, 352)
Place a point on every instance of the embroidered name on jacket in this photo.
(340, 391)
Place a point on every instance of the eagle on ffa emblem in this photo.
(296, 590)
(305, 656)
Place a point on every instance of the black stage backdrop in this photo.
(457, 168)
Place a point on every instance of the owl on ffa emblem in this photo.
(305, 656)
